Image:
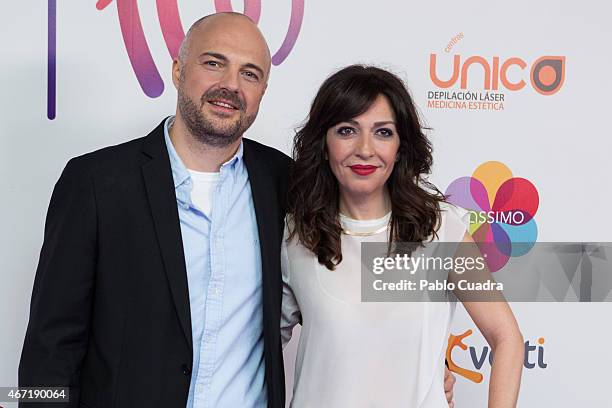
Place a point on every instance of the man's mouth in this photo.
(223, 104)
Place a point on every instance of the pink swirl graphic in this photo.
(295, 24)
(138, 50)
(252, 8)
(136, 46)
(172, 30)
(51, 53)
(171, 26)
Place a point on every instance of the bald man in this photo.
(159, 281)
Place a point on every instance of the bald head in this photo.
(239, 23)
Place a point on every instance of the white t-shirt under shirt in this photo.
(202, 190)
(357, 354)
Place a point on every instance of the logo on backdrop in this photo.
(533, 357)
(137, 48)
(501, 210)
(463, 89)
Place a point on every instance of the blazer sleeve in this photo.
(60, 309)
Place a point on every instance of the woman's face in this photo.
(363, 150)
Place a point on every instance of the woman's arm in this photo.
(290, 310)
(497, 324)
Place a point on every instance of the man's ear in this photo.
(176, 72)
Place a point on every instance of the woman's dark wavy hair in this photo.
(313, 188)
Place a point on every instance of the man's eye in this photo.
(212, 63)
(250, 75)
(345, 130)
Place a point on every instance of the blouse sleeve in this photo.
(455, 223)
(290, 310)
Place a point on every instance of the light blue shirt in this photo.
(225, 295)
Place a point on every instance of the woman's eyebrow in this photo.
(384, 122)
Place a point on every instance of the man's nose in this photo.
(230, 81)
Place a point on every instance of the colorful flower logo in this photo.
(502, 210)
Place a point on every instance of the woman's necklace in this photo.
(365, 234)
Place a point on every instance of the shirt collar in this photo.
(180, 174)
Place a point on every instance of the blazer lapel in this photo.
(265, 191)
(159, 185)
(266, 211)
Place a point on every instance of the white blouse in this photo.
(357, 354)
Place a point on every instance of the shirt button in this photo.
(217, 291)
(186, 369)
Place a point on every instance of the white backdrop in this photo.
(558, 142)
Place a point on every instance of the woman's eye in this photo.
(385, 132)
(345, 130)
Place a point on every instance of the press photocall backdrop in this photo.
(515, 92)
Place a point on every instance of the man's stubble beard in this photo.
(203, 128)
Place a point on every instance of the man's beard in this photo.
(204, 129)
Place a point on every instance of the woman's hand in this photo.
(449, 384)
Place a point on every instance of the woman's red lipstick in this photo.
(362, 169)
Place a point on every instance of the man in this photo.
(159, 279)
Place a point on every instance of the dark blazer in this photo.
(110, 314)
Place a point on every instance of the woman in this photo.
(360, 162)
